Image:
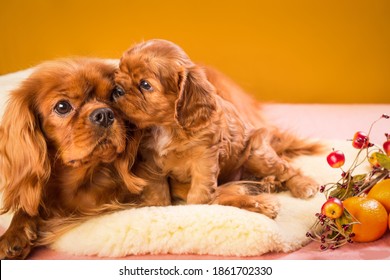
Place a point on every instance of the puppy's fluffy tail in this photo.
(288, 145)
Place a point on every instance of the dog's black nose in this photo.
(103, 117)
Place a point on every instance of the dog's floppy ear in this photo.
(24, 161)
(196, 101)
(125, 162)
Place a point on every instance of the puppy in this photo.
(65, 153)
(195, 138)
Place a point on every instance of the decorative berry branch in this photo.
(333, 227)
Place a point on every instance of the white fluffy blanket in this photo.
(196, 229)
(193, 229)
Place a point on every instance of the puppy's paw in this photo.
(266, 204)
(199, 196)
(302, 186)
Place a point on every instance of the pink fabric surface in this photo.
(332, 122)
(377, 250)
(326, 122)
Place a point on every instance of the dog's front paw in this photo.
(14, 245)
(302, 186)
(266, 204)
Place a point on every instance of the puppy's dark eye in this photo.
(144, 85)
(63, 108)
(117, 92)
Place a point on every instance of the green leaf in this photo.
(383, 160)
(341, 193)
(358, 178)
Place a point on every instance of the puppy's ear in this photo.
(125, 162)
(196, 102)
(24, 161)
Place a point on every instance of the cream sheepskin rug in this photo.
(192, 229)
(196, 229)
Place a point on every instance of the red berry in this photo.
(386, 147)
(360, 140)
(336, 159)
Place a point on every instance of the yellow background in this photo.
(324, 51)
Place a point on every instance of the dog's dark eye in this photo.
(117, 92)
(63, 108)
(144, 85)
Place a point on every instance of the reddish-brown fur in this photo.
(196, 139)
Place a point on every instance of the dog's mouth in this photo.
(130, 126)
(104, 151)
